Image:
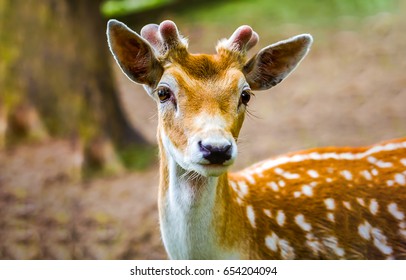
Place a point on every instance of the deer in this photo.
(320, 203)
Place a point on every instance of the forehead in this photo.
(205, 73)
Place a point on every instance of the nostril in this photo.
(226, 148)
(214, 149)
(215, 154)
(205, 148)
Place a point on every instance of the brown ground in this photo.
(350, 90)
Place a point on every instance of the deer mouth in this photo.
(212, 169)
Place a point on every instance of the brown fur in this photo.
(346, 222)
(213, 96)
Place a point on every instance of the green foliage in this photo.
(264, 12)
(123, 7)
(313, 12)
(136, 157)
(127, 159)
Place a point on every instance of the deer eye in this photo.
(245, 97)
(164, 94)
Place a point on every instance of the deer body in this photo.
(326, 203)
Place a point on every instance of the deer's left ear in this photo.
(275, 62)
(133, 54)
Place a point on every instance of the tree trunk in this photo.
(54, 55)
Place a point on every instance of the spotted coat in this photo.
(326, 203)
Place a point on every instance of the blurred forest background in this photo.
(78, 157)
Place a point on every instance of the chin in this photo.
(210, 170)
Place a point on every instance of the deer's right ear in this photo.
(133, 54)
(275, 62)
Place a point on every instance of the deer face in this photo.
(201, 98)
(200, 119)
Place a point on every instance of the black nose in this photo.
(215, 154)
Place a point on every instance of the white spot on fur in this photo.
(239, 201)
(273, 186)
(307, 190)
(297, 194)
(390, 183)
(278, 171)
(374, 172)
(403, 232)
(347, 205)
(373, 206)
(282, 183)
(330, 204)
(329, 180)
(361, 201)
(347, 175)
(330, 216)
(371, 159)
(366, 174)
(403, 161)
(400, 179)
(380, 241)
(393, 209)
(364, 230)
(300, 221)
(234, 186)
(240, 188)
(315, 156)
(332, 243)
(268, 213)
(298, 158)
(382, 164)
(313, 173)
(330, 156)
(379, 163)
(291, 176)
(313, 243)
(271, 242)
(348, 156)
(251, 215)
(287, 175)
(287, 252)
(243, 188)
(280, 218)
(249, 178)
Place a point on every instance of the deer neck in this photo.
(190, 207)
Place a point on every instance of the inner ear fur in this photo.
(133, 54)
(274, 63)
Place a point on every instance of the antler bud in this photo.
(163, 37)
(150, 33)
(242, 40)
(169, 33)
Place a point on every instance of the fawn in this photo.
(323, 203)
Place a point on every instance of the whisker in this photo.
(251, 114)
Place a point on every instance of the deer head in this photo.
(201, 99)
